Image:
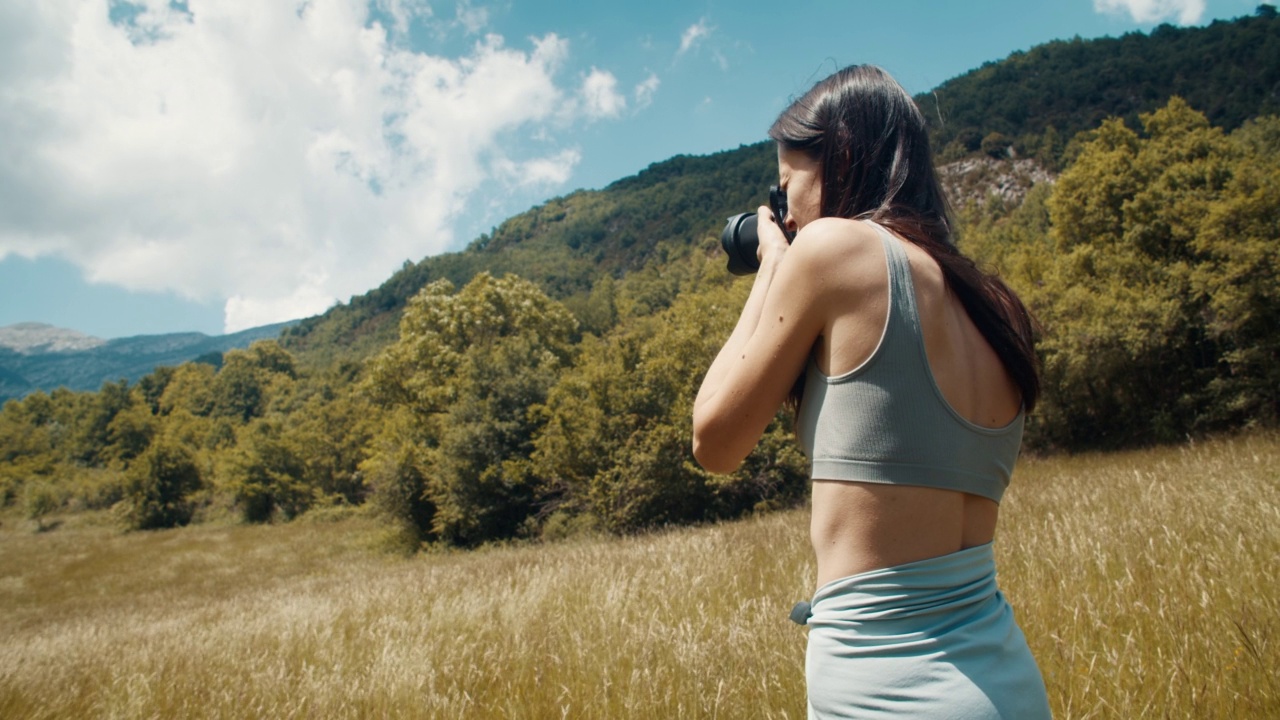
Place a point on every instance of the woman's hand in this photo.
(773, 243)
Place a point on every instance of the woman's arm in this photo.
(748, 320)
(751, 376)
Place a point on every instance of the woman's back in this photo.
(861, 526)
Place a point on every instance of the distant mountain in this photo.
(30, 338)
(34, 356)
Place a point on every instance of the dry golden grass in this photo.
(1146, 583)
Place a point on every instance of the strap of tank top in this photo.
(902, 342)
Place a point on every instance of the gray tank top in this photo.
(886, 421)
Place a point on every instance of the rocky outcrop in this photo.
(977, 180)
(30, 337)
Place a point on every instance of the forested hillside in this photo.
(1035, 101)
(540, 383)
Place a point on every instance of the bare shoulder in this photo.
(838, 235)
(846, 260)
(847, 254)
(926, 274)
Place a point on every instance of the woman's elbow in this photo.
(713, 454)
(712, 461)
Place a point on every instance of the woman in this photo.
(917, 370)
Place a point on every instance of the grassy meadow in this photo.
(1146, 582)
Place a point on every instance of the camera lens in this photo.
(740, 241)
(741, 237)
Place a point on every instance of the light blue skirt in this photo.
(928, 639)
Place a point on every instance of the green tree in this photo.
(597, 311)
(395, 472)
(189, 389)
(269, 356)
(1049, 149)
(970, 139)
(129, 433)
(28, 431)
(332, 431)
(468, 367)
(1239, 277)
(91, 434)
(250, 380)
(1154, 279)
(239, 390)
(1120, 345)
(616, 442)
(153, 385)
(158, 486)
(265, 473)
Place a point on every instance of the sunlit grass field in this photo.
(1146, 582)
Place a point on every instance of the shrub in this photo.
(39, 499)
(158, 486)
(996, 145)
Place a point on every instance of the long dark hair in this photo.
(870, 140)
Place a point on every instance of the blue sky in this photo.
(213, 165)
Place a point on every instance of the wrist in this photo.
(771, 258)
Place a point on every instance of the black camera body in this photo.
(740, 239)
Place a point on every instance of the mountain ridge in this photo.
(37, 356)
(32, 337)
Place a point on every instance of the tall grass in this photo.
(1146, 583)
(1149, 582)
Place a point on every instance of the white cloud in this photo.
(541, 171)
(247, 312)
(275, 155)
(1187, 12)
(645, 91)
(600, 95)
(473, 19)
(404, 12)
(693, 35)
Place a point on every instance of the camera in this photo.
(740, 238)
